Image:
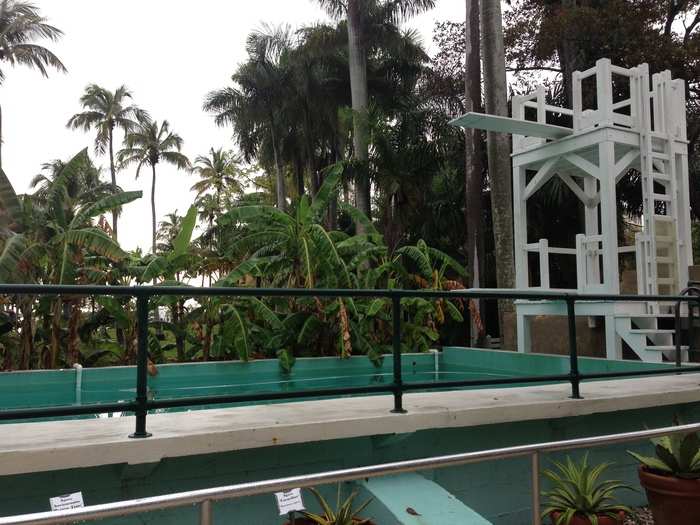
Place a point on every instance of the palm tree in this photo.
(20, 25)
(256, 105)
(104, 111)
(498, 144)
(218, 173)
(149, 143)
(358, 12)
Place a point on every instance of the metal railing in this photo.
(205, 497)
(141, 404)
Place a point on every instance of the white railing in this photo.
(588, 252)
(544, 250)
(205, 497)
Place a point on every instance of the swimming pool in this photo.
(51, 388)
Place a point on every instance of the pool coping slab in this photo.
(59, 445)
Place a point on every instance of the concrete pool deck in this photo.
(58, 445)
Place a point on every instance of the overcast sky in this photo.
(170, 53)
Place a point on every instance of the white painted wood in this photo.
(544, 264)
(542, 176)
(511, 125)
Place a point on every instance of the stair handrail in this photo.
(690, 290)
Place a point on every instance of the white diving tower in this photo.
(635, 122)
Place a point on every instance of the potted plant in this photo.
(579, 498)
(342, 515)
(671, 479)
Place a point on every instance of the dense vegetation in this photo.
(344, 173)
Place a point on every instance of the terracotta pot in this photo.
(673, 501)
(580, 520)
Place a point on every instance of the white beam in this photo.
(541, 177)
(624, 163)
(573, 186)
(579, 162)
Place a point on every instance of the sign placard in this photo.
(67, 501)
(289, 501)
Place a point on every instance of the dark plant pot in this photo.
(580, 520)
(673, 501)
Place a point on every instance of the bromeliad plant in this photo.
(577, 492)
(342, 515)
(677, 455)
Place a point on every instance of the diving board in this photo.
(511, 125)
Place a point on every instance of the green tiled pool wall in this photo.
(104, 385)
(513, 364)
(500, 490)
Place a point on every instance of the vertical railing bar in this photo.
(573, 352)
(205, 512)
(677, 323)
(691, 325)
(141, 366)
(396, 344)
(535, 465)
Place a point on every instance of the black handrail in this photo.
(140, 405)
(689, 291)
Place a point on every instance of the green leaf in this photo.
(157, 267)
(15, 246)
(96, 241)
(182, 240)
(103, 205)
(286, 359)
(650, 462)
(10, 205)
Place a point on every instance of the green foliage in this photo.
(676, 455)
(577, 491)
(343, 514)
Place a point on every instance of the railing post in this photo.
(573, 353)
(205, 512)
(396, 343)
(678, 328)
(535, 462)
(141, 366)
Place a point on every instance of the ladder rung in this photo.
(665, 348)
(665, 280)
(659, 155)
(663, 218)
(664, 239)
(662, 197)
(663, 260)
(664, 177)
(652, 331)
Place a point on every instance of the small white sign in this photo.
(67, 501)
(289, 501)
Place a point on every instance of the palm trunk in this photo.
(55, 333)
(156, 316)
(153, 209)
(27, 338)
(73, 339)
(279, 174)
(495, 89)
(113, 172)
(473, 148)
(358, 92)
